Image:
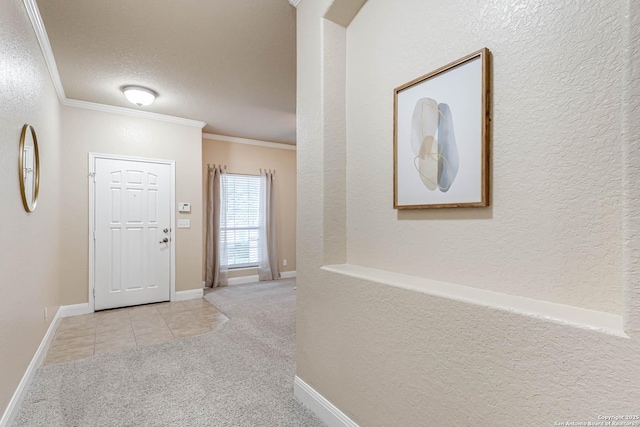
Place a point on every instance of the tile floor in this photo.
(128, 328)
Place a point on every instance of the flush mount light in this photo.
(139, 95)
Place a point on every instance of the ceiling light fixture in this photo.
(139, 95)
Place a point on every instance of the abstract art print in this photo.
(441, 137)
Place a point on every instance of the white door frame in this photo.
(172, 221)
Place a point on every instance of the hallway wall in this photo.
(554, 226)
(29, 251)
(387, 352)
(85, 131)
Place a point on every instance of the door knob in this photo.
(166, 230)
(165, 240)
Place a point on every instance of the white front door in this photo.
(132, 220)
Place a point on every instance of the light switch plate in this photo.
(184, 223)
(184, 207)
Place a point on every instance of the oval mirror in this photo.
(29, 167)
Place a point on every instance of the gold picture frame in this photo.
(29, 168)
(433, 166)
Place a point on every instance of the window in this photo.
(240, 229)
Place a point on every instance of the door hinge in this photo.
(94, 292)
(94, 234)
(92, 175)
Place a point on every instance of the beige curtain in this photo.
(268, 253)
(217, 264)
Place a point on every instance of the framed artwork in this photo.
(441, 137)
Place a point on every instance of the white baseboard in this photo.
(80, 309)
(74, 310)
(190, 294)
(11, 412)
(242, 280)
(325, 410)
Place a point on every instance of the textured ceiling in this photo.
(229, 63)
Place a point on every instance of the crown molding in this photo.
(237, 140)
(131, 112)
(295, 3)
(45, 46)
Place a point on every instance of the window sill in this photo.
(251, 267)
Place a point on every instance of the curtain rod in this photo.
(225, 167)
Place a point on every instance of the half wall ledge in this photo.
(568, 315)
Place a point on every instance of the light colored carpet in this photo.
(238, 375)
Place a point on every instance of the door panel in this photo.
(132, 210)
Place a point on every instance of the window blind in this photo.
(243, 218)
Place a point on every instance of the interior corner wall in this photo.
(385, 355)
(29, 249)
(248, 159)
(88, 131)
(334, 132)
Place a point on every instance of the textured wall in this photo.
(29, 249)
(631, 169)
(389, 356)
(248, 159)
(553, 231)
(85, 131)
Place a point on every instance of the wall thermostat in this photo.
(184, 207)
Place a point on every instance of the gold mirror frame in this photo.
(36, 171)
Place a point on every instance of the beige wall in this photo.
(85, 131)
(29, 249)
(248, 159)
(553, 230)
(391, 356)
